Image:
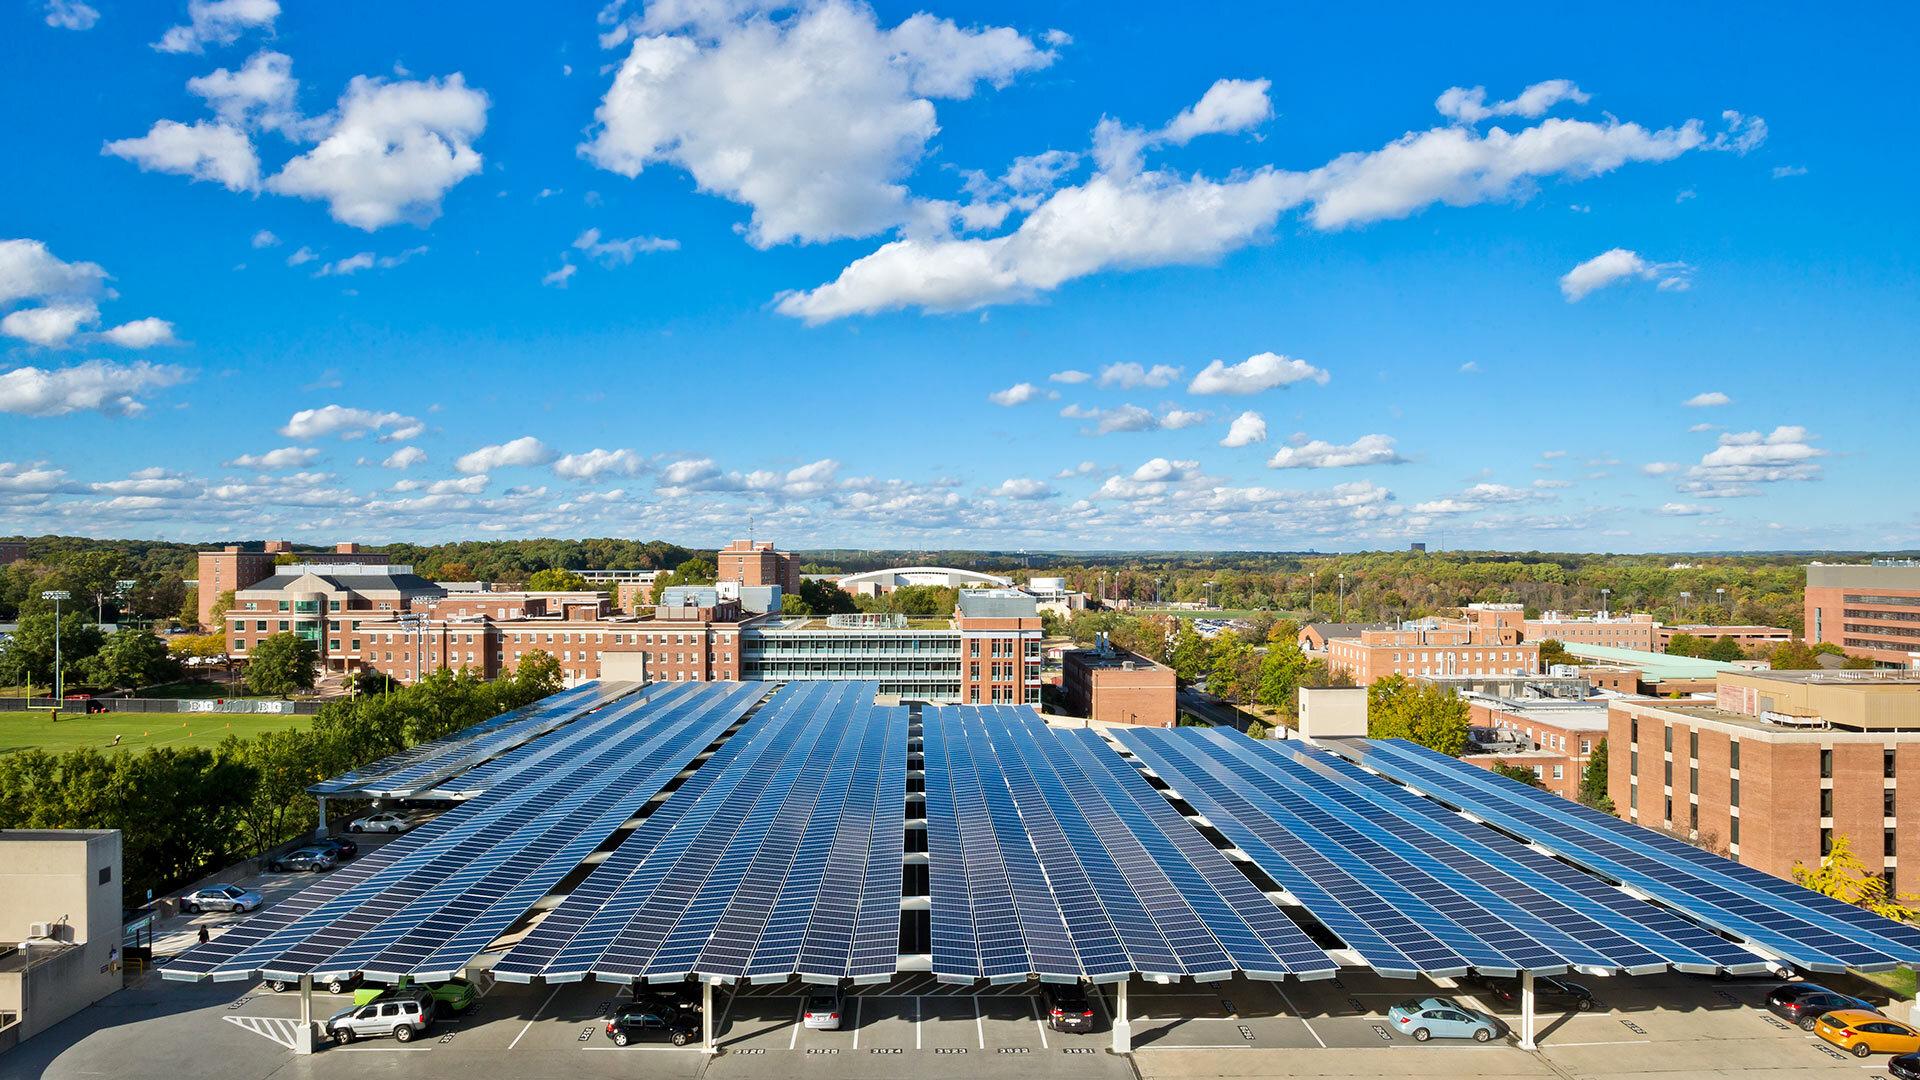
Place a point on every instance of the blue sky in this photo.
(1069, 276)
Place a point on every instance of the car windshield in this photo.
(821, 1003)
(1409, 1005)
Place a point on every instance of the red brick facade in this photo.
(1119, 688)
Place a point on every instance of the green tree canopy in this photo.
(1844, 877)
(1725, 649)
(1419, 712)
(1522, 773)
(27, 656)
(556, 579)
(1593, 780)
(127, 660)
(1554, 652)
(281, 664)
(695, 571)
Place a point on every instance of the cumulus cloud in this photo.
(1470, 106)
(204, 150)
(1024, 488)
(523, 451)
(1748, 457)
(1020, 394)
(596, 463)
(367, 260)
(65, 298)
(814, 120)
(1229, 105)
(1619, 264)
(261, 94)
(264, 239)
(52, 324)
(1783, 172)
(1707, 400)
(217, 22)
(1069, 377)
(558, 278)
(1320, 454)
(404, 458)
(31, 478)
(1257, 373)
(71, 15)
(1247, 428)
(620, 252)
(1159, 469)
(1133, 418)
(139, 334)
(349, 423)
(286, 457)
(1680, 509)
(1130, 375)
(93, 386)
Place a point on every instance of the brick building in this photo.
(758, 563)
(632, 590)
(1116, 686)
(1315, 636)
(1483, 646)
(1559, 736)
(237, 566)
(1636, 631)
(12, 551)
(1748, 638)
(1871, 611)
(1777, 765)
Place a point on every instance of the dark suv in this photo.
(1067, 1007)
(342, 847)
(1804, 1003)
(1546, 991)
(632, 1023)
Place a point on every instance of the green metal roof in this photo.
(1653, 665)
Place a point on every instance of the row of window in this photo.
(1882, 616)
(1889, 601)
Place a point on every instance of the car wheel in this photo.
(344, 1035)
(403, 1033)
(619, 1038)
(1421, 1035)
(1861, 1050)
(1585, 1004)
(336, 986)
(353, 828)
(278, 986)
(1807, 1023)
(187, 907)
(1481, 1034)
(680, 1038)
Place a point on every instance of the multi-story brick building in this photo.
(1635, 631)
(1119, 687)
(1871, 611)
(1560, 736)
(238, 566)
(1777, 765)
(632, 590)
(12, 551)
(324, 604)
(752, 562)
(1434, 647)
(1748, 637)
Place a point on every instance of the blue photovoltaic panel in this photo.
(429, 901)
(1804, 927)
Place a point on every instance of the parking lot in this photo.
(1665, 1025)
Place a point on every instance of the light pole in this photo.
(1343, 597)
(1209, 595)
(1686, 601)
(59, 685)
(1722, 594)
(1604, 593)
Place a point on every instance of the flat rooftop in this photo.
(1654, 665)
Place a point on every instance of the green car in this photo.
(452, 996)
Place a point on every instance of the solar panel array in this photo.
(419, 768)
(1809, 930)
(780, 857)
(427, 903)
(1409, 885)
(1049, 856)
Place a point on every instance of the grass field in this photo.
(137, 731)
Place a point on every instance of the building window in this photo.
(1733, 792)
(1733, 754)
(1886, 803)
(1886, 763)
(1669, 779)
(1733, 832)
(106, 872)
(1693, 780)
(1826, 766)
(1669, 737)
(1886, 839)
(1693, 816)
(1633, 729)
(1633, 763)
(1669, 818)
(1633, 796)
(1826, 842)
(1826, 804)
(1693, 744)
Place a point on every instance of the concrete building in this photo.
(1871, 610)
(1747, 637)
(1636, 631)
(881, 582)
(1777, 765)
(59, 925)
(758, 563)
(1436, 647)
(1556, 738)
(1052, 594)
(632, 590)
(1118, 687)
(239, 566)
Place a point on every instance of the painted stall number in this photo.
(750, 1050)
(447, 1038)
(586, 1033)
(1829, 1051)
(1354, 1002)
(883, 1050)
(1633, 1027)
(1077, 1050)
(1385, 1035)
(823, 1050)
(1012, 1050)
(949, 1049)
(1246, 1032)
(1781, 1024)
(1227, 1004)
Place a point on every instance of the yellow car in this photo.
(1862, 1033)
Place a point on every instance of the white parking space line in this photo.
(979, 1024)
(799, 1014)
(1038, 1022)
(916, 1021)
(856, 1023)
(535, 1016)
(1303, 1018)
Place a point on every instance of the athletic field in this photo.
(35, 731)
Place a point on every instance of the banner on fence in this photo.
(224, 706)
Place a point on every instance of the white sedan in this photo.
(221, 898)
(387, 821)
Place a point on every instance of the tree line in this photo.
(184, 812)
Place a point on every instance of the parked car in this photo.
(1067, 1007)
(631, 1023)
(668, 997)
(387, 821)
(1904, 1067)
(822, 1010)
(1863, 1034)
(402, 1016)
(316, 859)
(452, 996)
(343, 848)
(1441, 1018)
(1546, 991)
(334, 985)
(221, 898)
(1805, 1003)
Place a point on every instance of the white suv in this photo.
(400, 1017)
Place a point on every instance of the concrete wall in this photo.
(1327, 713)
(45, 875)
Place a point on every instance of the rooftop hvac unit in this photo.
(40, 930)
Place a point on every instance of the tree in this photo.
(1281, 670)
(1521, 773)
(1258, 730)
(1725, 649)
(189, 614)
(537, 676)
(27, 656)
(1190, 654)
(1419, 712)
(1686, 645)
(128, 659)
(556, 579)
(694, 571)
(1554, 652)
(1793, 656)
(281, 663)
(1844, 877)
(156, 596)
(1593, 780)
(825, 598)
(217, 616)
(1233, 671)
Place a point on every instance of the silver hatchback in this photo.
(402, 1017)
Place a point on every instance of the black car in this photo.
(1067, 1007)
(668, 997)
(342, 847)
(1546, 991)
(1904, 1067)
(1804, 1003)
(632, 1023)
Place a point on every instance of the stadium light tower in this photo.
(59, 684)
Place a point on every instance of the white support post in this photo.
(706, 1018)
(321, 831)
(303, 1042)
(1526, 1010)
(1122, 1027)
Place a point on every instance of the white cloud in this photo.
(35, 478)
(203, 150)
(404, 458)
(1470, 106)
(620, 252)
(1020, 394)
(1785, 453)
(1132, 418)
(259, 95)
(1471, 367)
(559, 278)
(217, 22)
(1040, 172)
(1320, 454)
(814, 120)
(1707, 400)
(352, 264)
(1085, 468)
(1164, 469)
(1021, 487)
(1782, 172)
(350, 423)
(95, 385)
(29, 271)
(1228, 106)
(1257, 373)
(392, 152)
(1661, 468)
(140, 334)
(1130, 375)
(71, 15)
(1069, 376)
(286, 457)
(523, 451)
(1680, 509)
(1446, 506)
(1697, 429)
(595, 463)
(1247, 428)
(53, 324)
(264, 239)
(1618, 265)
(1175, 419)
(302, 257)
